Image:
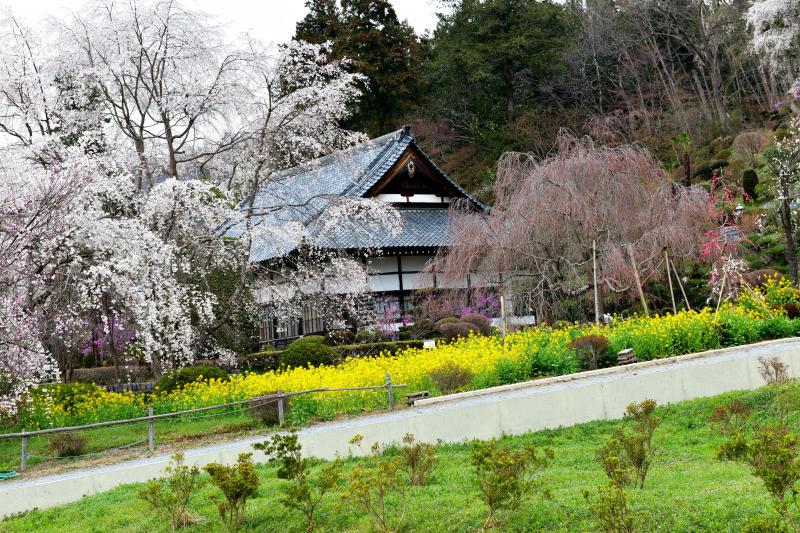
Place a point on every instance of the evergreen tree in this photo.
(378, 45)
(322, 23)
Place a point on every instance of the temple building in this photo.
(393, 169)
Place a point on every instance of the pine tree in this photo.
(387, 52)
(322, 23)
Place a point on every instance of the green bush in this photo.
(177, 379)
(778, 327)
(170, 496)
(308, 351)
(448, 320)
(238, 483)
(749, 183)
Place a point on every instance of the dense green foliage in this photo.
(308, 351)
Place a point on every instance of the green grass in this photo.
(687, 489)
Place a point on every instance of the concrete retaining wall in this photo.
(507, 410)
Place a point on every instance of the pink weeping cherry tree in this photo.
(550, 214)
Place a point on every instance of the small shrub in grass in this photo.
(609, 505)
(765, 524)
(452, 331)
(304, 492)
(419, 458)
(266, 410)
(308, 351)
(483, 324)
(773, 370)
(627, 457)
(177, 379)
(377, 488)
(237, 483)
(68, 444)
(730, 421)
(773, 456)
(507, 476)
(170, 496)
(451, 377)
(591, 350)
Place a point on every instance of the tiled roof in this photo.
(419, 228)
(299, 194)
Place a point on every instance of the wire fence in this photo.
(243, 406)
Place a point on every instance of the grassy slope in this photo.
(181, 432)
(687, 490)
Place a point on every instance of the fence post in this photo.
(389, 391)
(24, 460)
(151, 430)
(280, 409)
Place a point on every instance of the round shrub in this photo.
(483, 324)
(449, 320)
(177, 379)
(451, 331)
(308, 351)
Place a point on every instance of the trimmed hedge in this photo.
(106, 375)
(270, 359)
(375, 348)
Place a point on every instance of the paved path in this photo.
(511, 409)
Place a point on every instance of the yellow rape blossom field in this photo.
(526, 354)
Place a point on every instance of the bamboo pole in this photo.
(638, 281)
(671, 290)
(594, 279)
(721, 288)
(680, 284)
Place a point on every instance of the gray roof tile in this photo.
(301, 193)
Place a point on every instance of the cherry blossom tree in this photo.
(539, 235)
(113, 98)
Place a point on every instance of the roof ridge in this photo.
(333, 156)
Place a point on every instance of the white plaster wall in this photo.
(507, 410)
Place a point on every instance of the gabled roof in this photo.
(300, 194)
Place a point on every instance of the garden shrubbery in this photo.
(308, 351)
